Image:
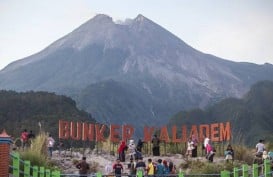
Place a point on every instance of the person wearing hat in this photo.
(118, 168)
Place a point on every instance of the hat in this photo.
(131, 141)
(118, 159)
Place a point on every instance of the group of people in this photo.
(151, 168)
(134, 151)
(27, 137)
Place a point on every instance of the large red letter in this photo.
(127, 132)
(75, 130)
(114, 135)
(88, 131)
(225, 132)
(148, 132)
(100, 132)
(214, 128)
(164, 136)
(63, 129)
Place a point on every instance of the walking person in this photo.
(83, 167)
(118, 168)
(50, 145)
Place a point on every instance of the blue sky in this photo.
(238, 30)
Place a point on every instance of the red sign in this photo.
(96, 132)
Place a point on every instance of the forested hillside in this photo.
(20, 111)
(251, 117)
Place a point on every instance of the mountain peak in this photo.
(102, 18)
(140, 18)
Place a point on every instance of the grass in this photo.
(37, 153)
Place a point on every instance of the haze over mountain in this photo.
(135, 70)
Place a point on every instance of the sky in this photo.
(237, 30)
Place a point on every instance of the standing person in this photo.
(139, 145)
(108, 168)
(260, 147)
(150, 168)
(121, 151)
(31, 135)
(195, 143)
(50, 144)
(118, 168)
(159, 168)
(83, 167)
(156, 147)
(172, 168)
(132, 168)
(141, 166)
(210, 152)
(189, 148)
(24, 138)
(206, 141)
(132, 148)
(166, 170)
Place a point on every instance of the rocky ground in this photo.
(98, 160)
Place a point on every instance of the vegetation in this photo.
(250, 117)
(37, 153)
(19, 111)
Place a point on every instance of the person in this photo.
(131, 148)
(206, 141)
(150, 168)
(140, 145)
(132, 168)
(260, 148)
(156, 147)
(24, 138)
(31, 135)
(83, 167)
(50, 144)
(108, 168)
(60, 147)
(189, 148)
(118, 168)
(210, 151)
(172, 168)
(195, 143)
(141, 166)
(166, 170)
(159, 168)
(229, 153)
(121, 151)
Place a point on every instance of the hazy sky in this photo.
(238, 30)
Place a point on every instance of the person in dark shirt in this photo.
(156, 147)
(118, 168)
(83, 167)
(139, 145)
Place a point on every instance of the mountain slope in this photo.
(139, 54)
(19, 111)
(250, 117)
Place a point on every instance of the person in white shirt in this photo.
(260, 148)
(50, 144)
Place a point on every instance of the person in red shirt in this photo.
(118, 168)
(24, 138)
(121, 151)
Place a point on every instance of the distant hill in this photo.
(136, 70)
(251, 117)
(19, 111)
